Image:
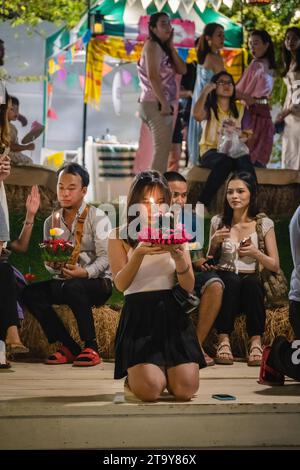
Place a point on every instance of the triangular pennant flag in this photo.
(81, 79)
(50, 88)
(57, 67)
(106, 69)
(51, 67)
(201, 4)
(51, 114)
(69, 56)
(136, 83)
(216, 4)
(126, 77)
(183, 53)
(129, 46)
(62, 75)
(86, 37)
(71, 80)
(188, 5)
(61, 59)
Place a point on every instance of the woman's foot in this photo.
(16, 348)
(224, 355)
(209, 360)
(255, 355)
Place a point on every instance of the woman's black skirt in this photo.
(153, 329)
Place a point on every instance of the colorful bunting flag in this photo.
(129, 46)
(51, 114)
(62, 75)
(183, 53)
(81, 81)
(61, 59)
(106, 69)
(71, 80)
(86, 37)
(126, 77)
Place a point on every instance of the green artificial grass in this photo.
(32, 259)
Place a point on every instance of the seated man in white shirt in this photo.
(84, 284)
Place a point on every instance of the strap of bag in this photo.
(260, 237)
(78, 235)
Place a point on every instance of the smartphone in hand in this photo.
(245, 242)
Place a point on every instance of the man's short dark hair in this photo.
(172, 176)
(75, 169)
(14, 100)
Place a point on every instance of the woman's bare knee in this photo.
(147, 392)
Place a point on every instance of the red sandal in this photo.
(62, 356)
(87, 357)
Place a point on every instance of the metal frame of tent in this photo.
(118, 39)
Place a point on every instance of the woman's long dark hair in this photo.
(203, 47)
(251, 184)
(212, 98)
(152, 24)
(146, 179)
(287, 56)
(266, 39)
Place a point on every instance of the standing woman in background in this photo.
(255, 88)
(290, 114)
(157, 69)
(210, 62)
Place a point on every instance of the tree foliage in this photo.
(274, 18)
(32, 12)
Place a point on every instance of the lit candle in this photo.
(56, 220)
(56, 231)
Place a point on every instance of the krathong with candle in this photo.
(164, 231)
(56, 251)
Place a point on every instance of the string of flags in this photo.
(96, 68)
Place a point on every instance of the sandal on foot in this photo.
(209, 360)
(87, 357)
(258, 353)
(62, 356)
(5, 365)
(16, 348)
(224, 349)
(268, 375)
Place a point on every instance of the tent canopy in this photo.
(119, 19)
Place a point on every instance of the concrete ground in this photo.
(61, 407)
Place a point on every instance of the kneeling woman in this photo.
(234, 236)
(156, 343)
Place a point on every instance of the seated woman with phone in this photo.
(234, 244)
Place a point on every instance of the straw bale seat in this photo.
(106, 320)
(277, 323)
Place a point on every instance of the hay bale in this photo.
(277, 323)
(106, 321)
(17, 195)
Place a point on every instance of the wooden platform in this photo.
(60, 407)
(278, 195)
